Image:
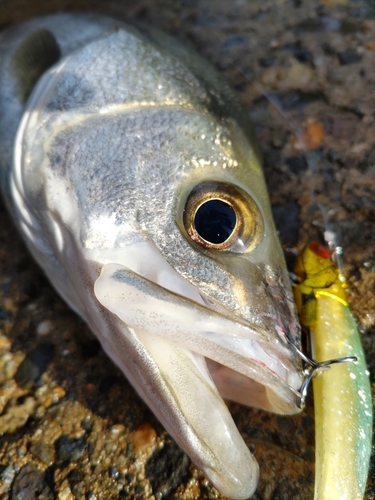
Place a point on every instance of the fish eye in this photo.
(214, 221)
(221, 216)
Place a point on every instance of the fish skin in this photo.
(106, 151)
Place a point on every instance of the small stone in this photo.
(113, 472)
(370, 45)
(8, 367)
(348, 57)
(21, 451)
(234, 40)
(6, 478)
(8, 303)
(65, 494)
(4, 314)
(17, 416)
(69, 449)
(78, 488)
(87, 424)
(44, 327)
(296, 164)
(75, 476)
(267, 62)
(34, 364)
(43, 451)
(8, 474)
(299, 52)
(312, 137)
(139, 489)
(167, 468)
(129, 478)
(58, 393)
(116, 430)
(30, 484)
(143, 437)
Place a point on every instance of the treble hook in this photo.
(313, 368)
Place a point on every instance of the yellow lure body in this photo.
(342, 393)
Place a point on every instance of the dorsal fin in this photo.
(38, 52)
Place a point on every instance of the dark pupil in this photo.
(215, 221)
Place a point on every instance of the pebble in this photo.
(348, 57)
(16, 416)
(267, 62)
(30, 484)
(370, 45)
(113, 472)
(65, 494)
(44, 327)
(6, 478)
(297, 164)
(43, 451)
(143, 437)
(299, 52)
(167, 468)
(312, 137)
(87, 423)
(34, 364)
(4, 314)
(69, 449)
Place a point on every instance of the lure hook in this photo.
(313, 368)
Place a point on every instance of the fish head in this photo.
(187, 319)
(146, 206)
(154, 217)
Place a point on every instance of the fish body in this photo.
(342, 394)
(134, 177)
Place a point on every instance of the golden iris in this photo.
(222, 216)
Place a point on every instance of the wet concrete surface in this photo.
(71, 426)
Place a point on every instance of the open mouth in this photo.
(247, 363)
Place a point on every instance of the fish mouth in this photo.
(248, 363)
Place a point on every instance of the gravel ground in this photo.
(70, 424)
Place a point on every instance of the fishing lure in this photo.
(342, 392)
